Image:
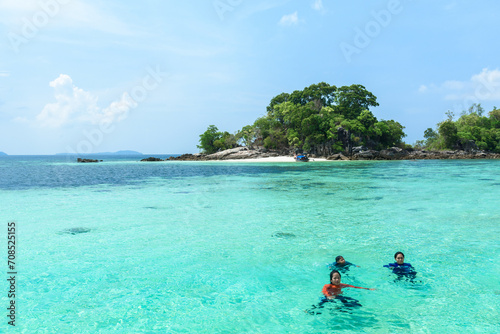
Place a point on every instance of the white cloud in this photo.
(484, 86)
(74, 105)
(423, 89)
(291, 19)
(4, 74)
(318, 5)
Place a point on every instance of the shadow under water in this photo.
(344, 313)
(283, 235)
(75, 230)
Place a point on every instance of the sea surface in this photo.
(123, 246)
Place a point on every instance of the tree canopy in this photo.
(212, 140)
(471, 130)
(320, 119)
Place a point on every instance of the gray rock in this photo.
(338, 156)
(393, 153)
(366, 155)
(152, 159)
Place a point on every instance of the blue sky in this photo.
(151, 76)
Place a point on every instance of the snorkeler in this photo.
(400, 268)
(341, 265)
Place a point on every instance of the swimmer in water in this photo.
(400, 268)
(334, 289)
(341, 265)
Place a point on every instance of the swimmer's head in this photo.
(335, 277)
(340, 260)
(399, 257)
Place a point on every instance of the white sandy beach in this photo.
(273, 159)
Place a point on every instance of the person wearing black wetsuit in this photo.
(400, 268)
(341, 264)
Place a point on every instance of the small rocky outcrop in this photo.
(470, 146)
(152, 159)
(396, 153)
(338, 156)
(87, 160)
(188, 157)
(393, 153)
(241, 153)
(237, 153)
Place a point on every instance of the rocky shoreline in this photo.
(359, 153)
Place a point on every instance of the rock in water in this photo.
(86, 160)
(76, 230)
(152, 159)
(284, 235)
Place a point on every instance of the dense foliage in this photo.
(320, 119)
(212, 140)
(471, 131)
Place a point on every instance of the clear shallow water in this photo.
(185, 247)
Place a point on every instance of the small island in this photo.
(335, 123)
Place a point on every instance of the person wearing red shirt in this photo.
(332, 290)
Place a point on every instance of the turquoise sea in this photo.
(243, 247)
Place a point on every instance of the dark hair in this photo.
(338, 257)
(398, 253)
(333, 272)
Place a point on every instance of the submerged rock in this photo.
(76, 230)
(283, 235)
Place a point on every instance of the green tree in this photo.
(246, 136)
(320, 118)
(321, 95)
(210, 140)
(390, 133)
(476, 108)
(448, 131)
(352, 100)
(431, 137)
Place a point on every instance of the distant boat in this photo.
(303, 158)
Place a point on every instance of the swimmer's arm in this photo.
(358, 287)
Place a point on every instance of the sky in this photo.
(86, 76)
